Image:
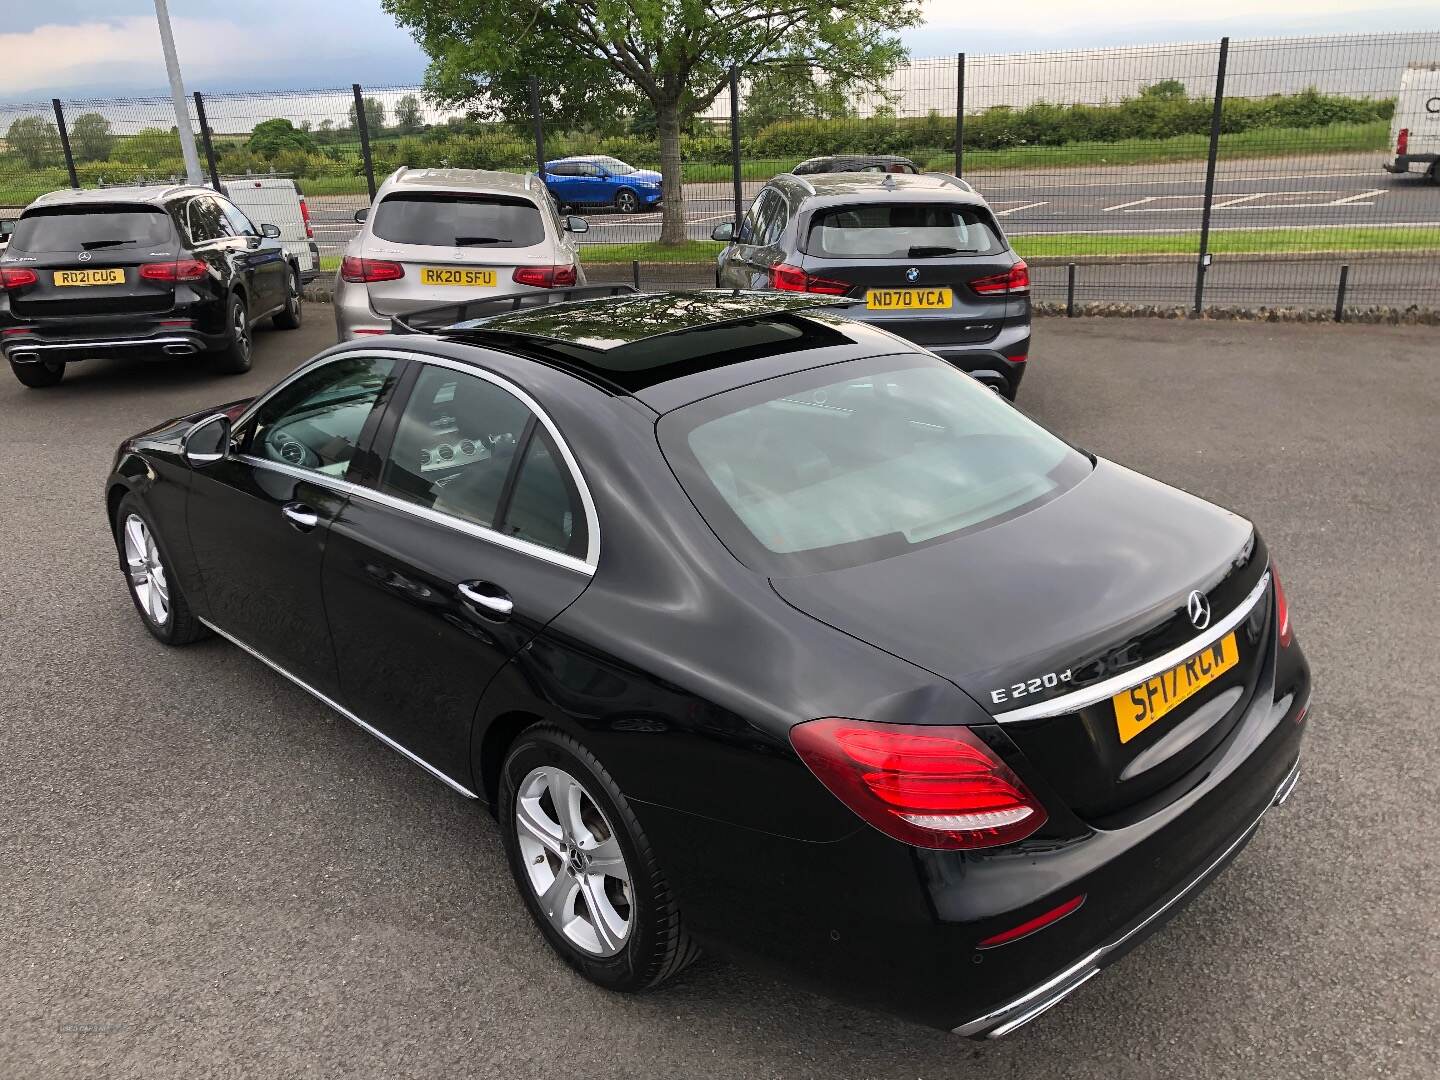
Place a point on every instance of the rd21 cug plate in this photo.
(908, 299)
(113, 276)
(1141, 706)
(453, 275)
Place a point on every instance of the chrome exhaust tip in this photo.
(179, 350)
(20, 356)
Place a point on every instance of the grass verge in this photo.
(1230, 242)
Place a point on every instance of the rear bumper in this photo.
(32, 348)
(1402, 163)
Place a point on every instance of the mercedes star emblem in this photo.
(1199, 609)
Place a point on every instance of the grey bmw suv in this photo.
(922, 256)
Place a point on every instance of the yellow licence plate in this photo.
(1136, 709)
(115, 276)
(908, 299)
(451, 275)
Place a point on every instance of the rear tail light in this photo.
(1029, 926)
(788, 278)
(305, 217)
(17, 277)
(1402, 142)
(1282, 610)
(546, 277)
(933, 787)
(1014, 280)
(365, 270)
(179, 270)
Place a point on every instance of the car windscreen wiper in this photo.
(91, 245)
(478, 241)
(920, 251)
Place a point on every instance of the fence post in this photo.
(363, 130)
(539, 124)
(735, 149)
(1340, 293)
(65, 142)
(1070, 291)
(205, 138)
(960, 114)
(1202, 262)
(635, 273)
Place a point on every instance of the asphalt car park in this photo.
(206, 872)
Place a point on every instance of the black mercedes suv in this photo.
(923, 254)
(150, 270)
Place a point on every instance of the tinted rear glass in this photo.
(820, 470)
(93, 229)
(444, 220)
(902, 231)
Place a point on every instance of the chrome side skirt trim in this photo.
(1090, 695)
(461, 788)
(1023, 1009)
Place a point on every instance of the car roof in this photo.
(858, 157)
(878, 187)
(668, 349)
(136, 193)
(488, 181)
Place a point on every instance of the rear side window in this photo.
(438, 219)
(902, 231)
(93, 229)
(207, 220)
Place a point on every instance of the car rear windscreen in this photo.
(440, 219)
(902, 231)
(96, 228)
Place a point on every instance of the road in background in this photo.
(204, 872)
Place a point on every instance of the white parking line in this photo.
(1140, 206)
(1017, 209)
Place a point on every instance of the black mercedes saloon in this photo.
(757, 628)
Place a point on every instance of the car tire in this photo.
(39, 374)
(627, 202)
(289, 317)
(154, 589)
(620, 929)
(235, 357)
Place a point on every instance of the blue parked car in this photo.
(602, 181)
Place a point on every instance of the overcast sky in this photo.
(76, 48)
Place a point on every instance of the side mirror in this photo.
(724, 232)
(272, 231)
(7, 226)
(361, 215)
(207, 442)
(576, 224)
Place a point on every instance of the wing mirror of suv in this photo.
(207, 442)
(576, 224)
(272, 231)
(724, 232)
(361, 215)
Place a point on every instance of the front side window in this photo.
(240, 225)
(902, 231)
(315, 421)
(441, 219)
(815, 471)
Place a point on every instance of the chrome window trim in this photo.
(1107, 688)
(324, 699)
(586, 565)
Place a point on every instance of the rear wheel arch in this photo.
(500, 734)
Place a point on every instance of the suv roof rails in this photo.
(804, 181)
(964, 185)
(434, 320)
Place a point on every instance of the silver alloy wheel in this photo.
(241, 328)
(147, 572)
(292, 302)
(573, 861)
(626, 202)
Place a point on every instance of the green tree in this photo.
(274, 137)
(1164, 90)
(374, 116)
(35, 139)
(672, 55)
(407, 115)
(791, 92)
(91, 138)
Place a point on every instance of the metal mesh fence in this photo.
(1112, 170)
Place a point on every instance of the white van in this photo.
(278, 201)
(1415, 130)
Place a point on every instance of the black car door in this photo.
(259, 519)
(262, 257)
(477, 534)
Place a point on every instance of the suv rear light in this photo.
(1402, 142)
(1282, 610)
(546, 277)
(788, 278)
(1014, 280)
(17, 277)
(933, 787)
(305, 217)
(179, 270)
(364, 270)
